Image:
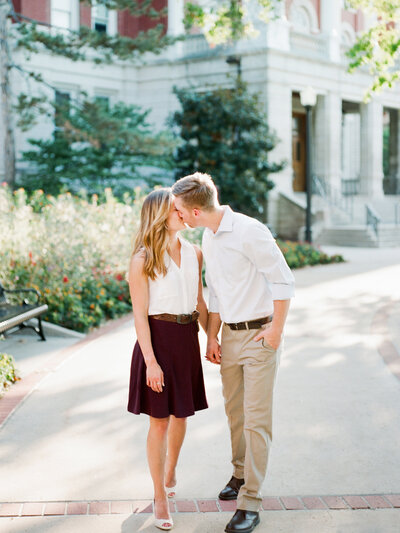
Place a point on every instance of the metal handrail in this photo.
(333, 196)
(350, 186)
(373, 219)
(397, 214)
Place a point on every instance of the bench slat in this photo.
(12, 321)
(10, 311)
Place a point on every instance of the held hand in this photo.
(155, 377)
(269, 336)
(213, 353)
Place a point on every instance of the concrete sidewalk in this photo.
(337, 422)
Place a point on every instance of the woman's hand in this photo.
(213, 353)
(155, 377)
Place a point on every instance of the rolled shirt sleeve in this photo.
(213, 300)
(265, 254)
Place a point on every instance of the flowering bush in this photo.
(8, 374)
(75, 251)
(299, 254)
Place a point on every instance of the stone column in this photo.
(175, 17)
(2, 142)
(75, 22)
(279, 117)
(371, 172)
(175, 26)
(393, 142)
(328, 131)
(394, 151)
(278, 31)
(331, 23)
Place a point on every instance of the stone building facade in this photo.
(355, 146)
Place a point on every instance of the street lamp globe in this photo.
(308, 97)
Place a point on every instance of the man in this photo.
(250, 288)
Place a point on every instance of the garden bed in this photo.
(8, 373)
(75, 251)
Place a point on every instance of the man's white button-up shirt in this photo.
(245, 269)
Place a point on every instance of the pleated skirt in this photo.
(176, 348)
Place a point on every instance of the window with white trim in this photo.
(103, 101)
(61, 13)
(100, 18)
(63, 105)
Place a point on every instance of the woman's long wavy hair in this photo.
(152, 237)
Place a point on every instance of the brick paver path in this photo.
(281, 503)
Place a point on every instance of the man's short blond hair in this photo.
(197, 191)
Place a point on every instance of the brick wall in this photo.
(38, 9)
(17, 5)
(127, 25)
(130, 26)
(356, 20)
(85, 16)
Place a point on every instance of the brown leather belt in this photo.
(179, 319)
(251, 324)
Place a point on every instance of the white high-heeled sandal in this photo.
(171, 492)
(162, 523)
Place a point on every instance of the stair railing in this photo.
(373, 219)
(397, 214)
(333, 197)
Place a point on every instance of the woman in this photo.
(166, 374)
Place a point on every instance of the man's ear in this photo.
(196, 212)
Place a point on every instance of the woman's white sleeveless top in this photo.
(176, 292)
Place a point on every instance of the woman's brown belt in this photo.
(179, 319)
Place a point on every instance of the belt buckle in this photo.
(179, 318)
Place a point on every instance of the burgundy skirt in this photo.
(176, 348)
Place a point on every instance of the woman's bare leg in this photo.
(156, 455)
(176, 434)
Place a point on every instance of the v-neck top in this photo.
(176, 292)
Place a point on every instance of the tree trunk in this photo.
(7, 150)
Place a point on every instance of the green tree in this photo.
(94, 146)
(225, 134)
(227, 20)
(378, 47)
(23, 34)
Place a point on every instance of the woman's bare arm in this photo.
(201, 304)
(139, 291)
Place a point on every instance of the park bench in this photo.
(15, 314)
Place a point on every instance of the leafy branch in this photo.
(228, 20)
(378, 46)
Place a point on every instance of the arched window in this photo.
(348, 35)
(303, 16)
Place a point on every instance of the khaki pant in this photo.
(248, 371)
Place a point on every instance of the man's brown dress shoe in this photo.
(243, 522)
(231, 491)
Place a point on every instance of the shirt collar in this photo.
(226, 223)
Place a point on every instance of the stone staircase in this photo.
(347, 236)
(349, 228)
(361, 236)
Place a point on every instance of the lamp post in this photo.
(308, 99)
(235, 60)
